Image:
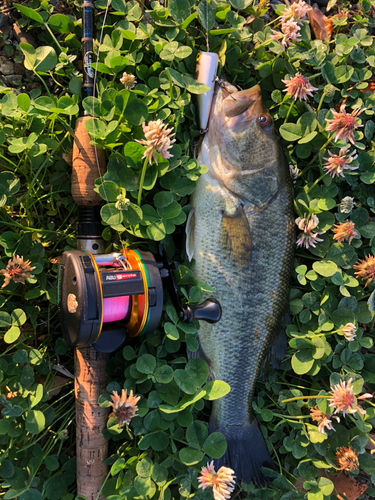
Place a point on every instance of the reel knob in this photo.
(209, 311)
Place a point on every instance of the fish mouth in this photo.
(237, 103)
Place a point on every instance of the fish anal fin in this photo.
(238, 237)
(276, 351)
(189, 230)
(199, 353)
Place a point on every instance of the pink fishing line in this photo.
(115, 308)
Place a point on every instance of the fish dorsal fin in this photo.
(189, 230)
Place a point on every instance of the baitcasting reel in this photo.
(104, 298)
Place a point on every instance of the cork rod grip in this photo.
(85, 166)
(89, 365)
(92, 447)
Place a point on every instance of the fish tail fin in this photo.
(246, 453)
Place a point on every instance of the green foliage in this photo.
(162, 451)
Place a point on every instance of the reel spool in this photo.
(105, 298)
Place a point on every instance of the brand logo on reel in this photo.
(125, 276)
(114, 277)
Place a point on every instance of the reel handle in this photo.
(209, 311)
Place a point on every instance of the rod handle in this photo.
(92, 447)
(86, 158)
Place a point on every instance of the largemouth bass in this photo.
(241, 234)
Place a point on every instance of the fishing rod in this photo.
(89, 364)
(105, 298)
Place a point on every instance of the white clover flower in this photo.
(122, 202)
(346, 205)
(129, 81)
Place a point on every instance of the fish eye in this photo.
(264, 121)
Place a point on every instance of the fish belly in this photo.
(245, 256)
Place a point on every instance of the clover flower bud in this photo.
(122, 202)
(346, 205)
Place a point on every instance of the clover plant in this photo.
(161, 452)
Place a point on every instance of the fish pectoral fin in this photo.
(238, 237)
(189, 231)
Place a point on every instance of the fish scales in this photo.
(241, 235)
(252, 299)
